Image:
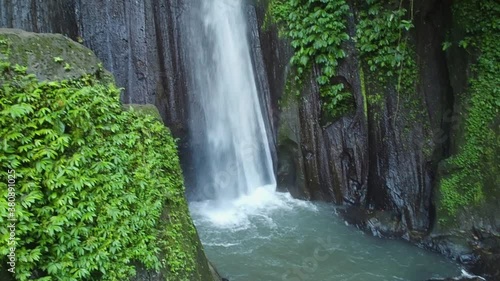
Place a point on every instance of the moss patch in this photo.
(37, 52)
(98, 189)
(148, 109)
(471, 176)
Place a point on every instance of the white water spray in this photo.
(229, 144)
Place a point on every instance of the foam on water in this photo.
(238, 214)
(289, 240)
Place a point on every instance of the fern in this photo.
(93, 181)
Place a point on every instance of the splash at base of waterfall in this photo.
(237, 214)
(289, 239)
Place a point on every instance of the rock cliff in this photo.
(387, 160)
(57, 61)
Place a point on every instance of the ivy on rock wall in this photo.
(473, 172)
(383, 41)
(98, 189)
(317, 29)
(388, 57)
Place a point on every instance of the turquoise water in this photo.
(268, 237)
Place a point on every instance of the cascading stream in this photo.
(229, 142)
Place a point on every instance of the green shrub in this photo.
(387, 55)
(92, 182)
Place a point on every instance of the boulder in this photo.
(51, 56)
(54, 57)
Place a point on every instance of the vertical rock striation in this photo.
(384, 161)
(382, 156)
(313, 162)
(140, 42)
(136, 40)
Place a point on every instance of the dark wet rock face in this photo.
(49, 16)
(136, 40)
(375, 159)
(384, 163)
(308, 145)
(262, 81)
(487, 250)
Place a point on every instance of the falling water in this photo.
(248, 230)
(229, 142)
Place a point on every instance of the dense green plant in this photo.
(383, 41)
(474, 169)
(317, 29)
(93, 181)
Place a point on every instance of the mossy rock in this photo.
(148, 109)
(50, 56)
(136, 198)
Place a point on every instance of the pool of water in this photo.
(269, 236)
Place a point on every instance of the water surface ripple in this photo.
(288, 239)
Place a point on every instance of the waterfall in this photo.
(228, 140)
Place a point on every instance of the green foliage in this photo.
(317, 29)
(363, 90)
(148, 109)
(446, 45)
(4, 47)
(474, 169)
(375, 99)
(382, 39)
(477, 18)
(92, 183)
(58, 59)
(337, 101)
(67, 67)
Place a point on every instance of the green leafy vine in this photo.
(382, 39)
(317, 29)
(474, 169)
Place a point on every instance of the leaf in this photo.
(58, 59)
(17, 110)
(463, 44)
(28, 200)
